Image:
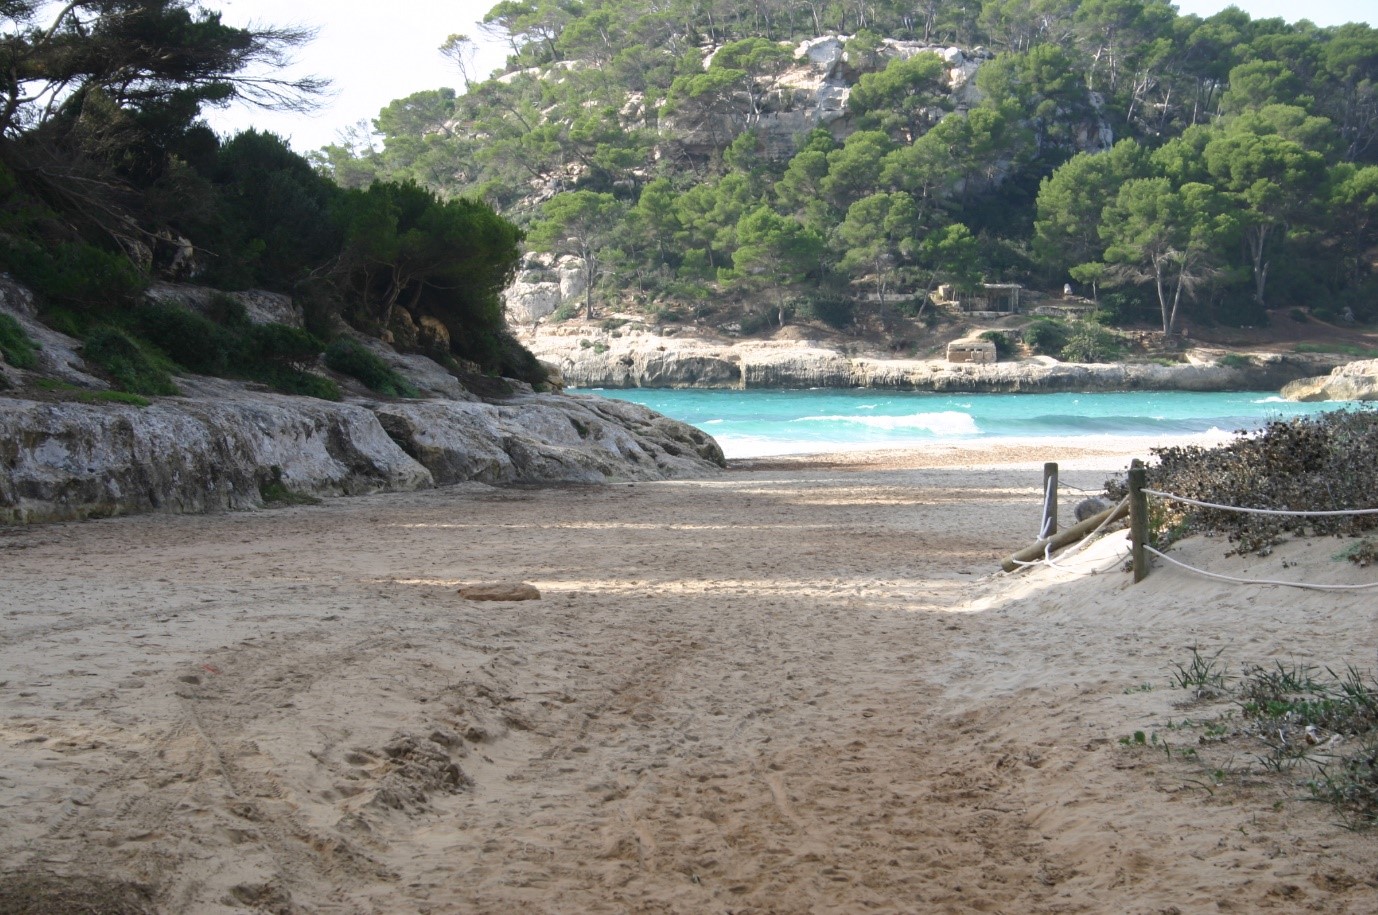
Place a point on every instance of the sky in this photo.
(373, 53)
(372, 59)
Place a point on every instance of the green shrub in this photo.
(666, 314)
(349, 357)
(1047, 336)
(274, 492)
(294, 381)
(755, 321)
(565, 312)
(1343, 348)
(1124, 307)
(519, 362)
(1301, 464)
(86, 395)
(18, 349)
(74, 274)
(281, 357)
(283, 346)
(1089, 342)
(834, 311)
(127, 363)
(193, 341)
(1004, 346)
(228, 312)
(913, 308)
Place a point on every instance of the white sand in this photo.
(802, 687)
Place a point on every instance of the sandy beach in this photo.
(799, 686)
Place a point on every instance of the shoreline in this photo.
(797, 686)
(1004, 451)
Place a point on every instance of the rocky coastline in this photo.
(231, 445)
(1353, 381)
(646, 359)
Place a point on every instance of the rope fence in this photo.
(1136, 506)
(1140, 548)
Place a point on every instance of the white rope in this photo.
(1077, 548)
(1263, 511)
(1259, 581)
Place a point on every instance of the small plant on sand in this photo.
(1298, 717)
(1203, 674)
(1363, 553)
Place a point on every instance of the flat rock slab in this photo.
(500, 590)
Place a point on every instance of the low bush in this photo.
(129, 365)
(193, 341)
(287, 380)
(349, 357)
(835, 311)
(1004, 346)
(74, 274)
(1302, 464)
(565, 312)
(1047, 336)
(1295, 717)
(1089, 342)
(18, 350)
(283, 346)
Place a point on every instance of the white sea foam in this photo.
(949, 422)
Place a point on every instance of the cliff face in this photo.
(224, 444)
(813, 92)
(643, 359)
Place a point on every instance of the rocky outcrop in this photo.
(543, 283)
(66, 454)
(1352, 381)
(222, 446)
(189, 454)
(544, 438)
(642, 358)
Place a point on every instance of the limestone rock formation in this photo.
(644, 358)
(1352, 381)
(218, 447)
(546, 437)
(208, 452)
(225, 444)
(543, 283)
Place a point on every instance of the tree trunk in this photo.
(1258, 242)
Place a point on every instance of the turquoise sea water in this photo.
(758, 423)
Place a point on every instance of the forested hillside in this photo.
(109, 180)
(692, 154)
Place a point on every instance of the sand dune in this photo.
(801, 686)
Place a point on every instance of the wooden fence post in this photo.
(1138, 519)
(1049, 526)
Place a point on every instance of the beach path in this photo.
(797, 687)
